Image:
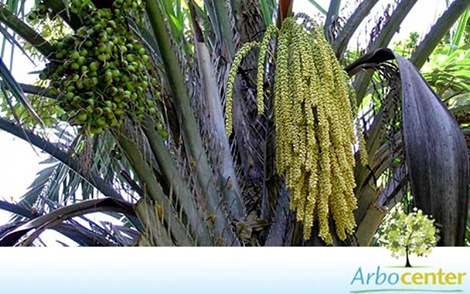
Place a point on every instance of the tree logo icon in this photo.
(408, 233)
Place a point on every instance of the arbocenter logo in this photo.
(406, 233)
(407, 280)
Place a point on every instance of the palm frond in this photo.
(58, 216)
(16, 90)
(437, 32)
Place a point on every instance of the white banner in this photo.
(230, 270)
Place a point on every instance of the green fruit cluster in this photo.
(41, 12)
(101, 72)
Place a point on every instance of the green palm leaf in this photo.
(16, 90)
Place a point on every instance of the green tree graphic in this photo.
(404, 234)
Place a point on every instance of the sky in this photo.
(19, 163)
(420, 18)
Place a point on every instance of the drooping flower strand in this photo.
(263, 49)
(231, 81)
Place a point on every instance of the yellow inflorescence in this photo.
(315, 131)
(315, 128)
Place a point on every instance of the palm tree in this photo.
(179, 179)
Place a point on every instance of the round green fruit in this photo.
(101, 122)
(69, 95)
(96, 131)
(82, 117)
(59, 55)
(98, 28)
(75, 66)
(113, 91)
(94, 66)
(81, 60)
(74, 55)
